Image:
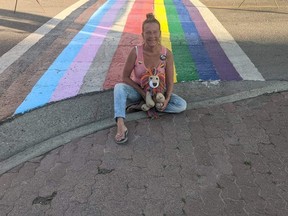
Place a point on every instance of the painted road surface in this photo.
(93, 57)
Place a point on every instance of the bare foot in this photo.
(122, 132)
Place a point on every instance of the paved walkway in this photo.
(229, 159)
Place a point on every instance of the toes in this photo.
(119, 136)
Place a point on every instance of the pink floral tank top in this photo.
(140, 68)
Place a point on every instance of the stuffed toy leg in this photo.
(149, 102)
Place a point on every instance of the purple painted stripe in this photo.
(224, 67)
(72, 81)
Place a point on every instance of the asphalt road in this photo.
(28, 17)
(260, 28)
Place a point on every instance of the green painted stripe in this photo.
(185, 67)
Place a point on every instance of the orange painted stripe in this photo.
(131, 36)
(138, 15)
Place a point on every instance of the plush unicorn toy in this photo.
(154, 85)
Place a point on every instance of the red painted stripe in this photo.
(131, 36)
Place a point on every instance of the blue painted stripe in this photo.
(46, 85)
(203, 63)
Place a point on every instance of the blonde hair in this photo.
(150, 18)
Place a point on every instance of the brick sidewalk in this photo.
(223, 160)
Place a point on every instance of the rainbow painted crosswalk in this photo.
(95, 57)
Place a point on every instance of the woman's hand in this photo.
(163, 107)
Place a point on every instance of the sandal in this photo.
(134, 107)
(124, 139)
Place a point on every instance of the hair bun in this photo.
(150, 16)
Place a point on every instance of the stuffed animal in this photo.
(154, 85)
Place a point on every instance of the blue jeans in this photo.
(125, 94)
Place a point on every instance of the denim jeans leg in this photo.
(176, 104)
(124, 93)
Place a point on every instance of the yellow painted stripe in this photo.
(160, 13)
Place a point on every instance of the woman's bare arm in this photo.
(128, 68)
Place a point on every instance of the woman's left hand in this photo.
(163, 107)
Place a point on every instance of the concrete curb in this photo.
(36, 149)
(278, 87)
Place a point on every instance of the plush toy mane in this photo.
(145, 82)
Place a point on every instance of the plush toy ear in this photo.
(144, 81)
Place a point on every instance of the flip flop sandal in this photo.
(124, 139)
(134, 107)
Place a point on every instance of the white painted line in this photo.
(235, 54)
(18, 50)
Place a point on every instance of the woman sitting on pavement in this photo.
(148, 55)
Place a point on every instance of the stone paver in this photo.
(222, 160)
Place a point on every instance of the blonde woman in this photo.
(149, 55)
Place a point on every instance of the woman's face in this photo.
(151, 34)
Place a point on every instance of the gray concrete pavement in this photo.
(228, 159)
